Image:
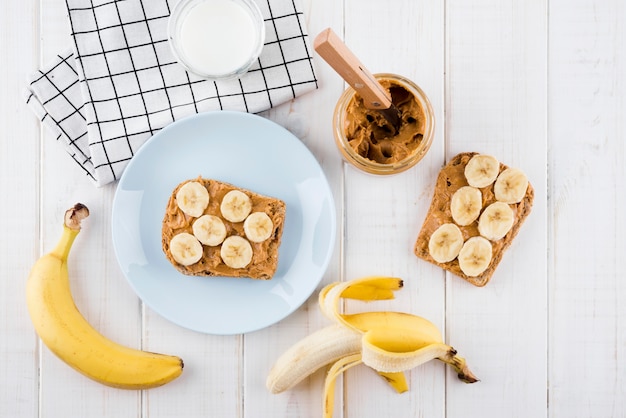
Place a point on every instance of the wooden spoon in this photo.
(332, 49)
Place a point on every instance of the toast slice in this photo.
(450, 179)
(264, 260)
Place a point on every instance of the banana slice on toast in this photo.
(212, 228)
(487, 202)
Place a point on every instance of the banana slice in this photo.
(210, 230)
(465, 205)
(258, 226)
(186, 249)
(445, 243)
(192, 198)
(236, 206)
(511, 186)
(236, 252)
(475, 256)
(482, 170)
(495, 221)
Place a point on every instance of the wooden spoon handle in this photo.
(332, 49)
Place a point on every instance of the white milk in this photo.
(218, 37)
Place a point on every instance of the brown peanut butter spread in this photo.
(454, 178)
(371, 136)
(265, 254)
(451, 178)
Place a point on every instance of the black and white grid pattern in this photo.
(120, 82)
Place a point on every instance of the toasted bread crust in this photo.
(265, 254)
(450, 179)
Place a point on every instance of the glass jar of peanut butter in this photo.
(369, 142)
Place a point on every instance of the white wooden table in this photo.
(540, 84)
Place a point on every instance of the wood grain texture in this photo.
(383, 214)
(314, 128)
(587, 104)
(496, 90)
(19, 211)
(100, 291)
(541, 85)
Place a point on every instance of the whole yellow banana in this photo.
(67, 334)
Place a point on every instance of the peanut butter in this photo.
(265, 254)
(371, 136)
(450, 179)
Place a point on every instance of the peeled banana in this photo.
(68, 335)
(389, 342)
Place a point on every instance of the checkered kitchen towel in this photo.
(120, 83)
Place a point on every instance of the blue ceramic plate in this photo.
(247, 151)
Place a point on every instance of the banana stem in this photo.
(459, 365)
(71, 228)
(62, 249)
(75, 215)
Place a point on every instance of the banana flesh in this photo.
(258, 226)
(511, 185)
(475, 256)
(210, 230)
(192, 198)
(236, 252)
(316, 350)
(465, 205)
(482, 170)
(494, 221)
(389, 342)
(70, 337)
(445, 243)
(235, 206)
(186, 249)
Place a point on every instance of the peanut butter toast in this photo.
(212, 228)
(477, 209)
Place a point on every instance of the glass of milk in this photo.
(216, 39)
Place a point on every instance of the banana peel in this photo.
(389, 342)
(70, 337)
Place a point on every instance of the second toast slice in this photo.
(452, 178)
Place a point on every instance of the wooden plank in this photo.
(19, 182)
(210, 384)
(110, 304)
(314, 128)
(383, 215)
(495, 73)
(496, 90)
(100, 291)
(587, 80)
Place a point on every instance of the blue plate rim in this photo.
(332, 225)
